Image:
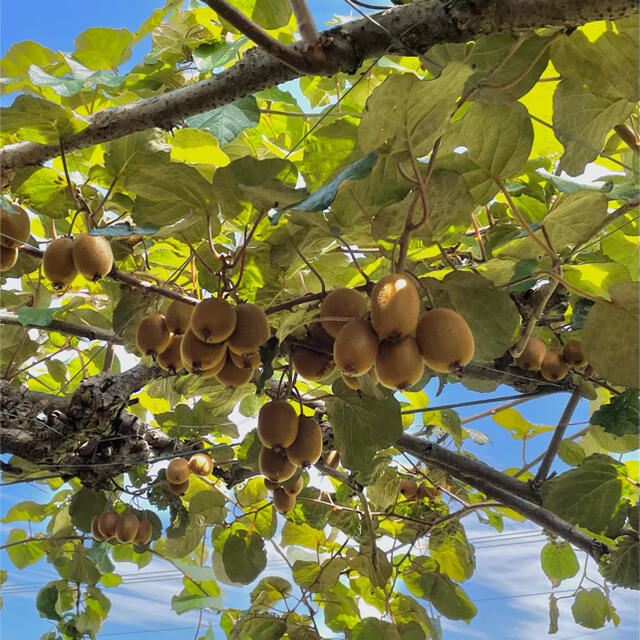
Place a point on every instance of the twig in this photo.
(306, 25)
(355, 260)
(315, 273)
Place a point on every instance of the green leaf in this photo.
(571, 453)
(46, 602)
(43, 190)
(449, 547)
(450, 600)
(183, 603)
(421, 576)
(580, 311)
(227, 122)
(621, 416)
(559, 562)
(197, 147)
(591, 609)
(301, 534)
(85, 504)
(260, 627)
(269, 591)
(590, 495)
(210, 55)
(16, 62)
(81, 569)
(103, 47)
(244, 556)
(340, 608)
(182, 545)
(252, 492)
(29, 510)
(22, 555)
(135, 151)
(65, 87)
(369, 628)
(621, 565)
(517, 424)
(208, 507)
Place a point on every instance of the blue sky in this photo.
(508, 575)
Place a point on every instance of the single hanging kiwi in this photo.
(58, 263)
(178, 471)
(178, 316)
(408, 488)
(283, 501)
(445, 340)
(215, 370)
(213, 320)
(200, 464)
(14, 227)
(271, 486)
(573, 354)
(249, 360)
(251, 331)
(306, 449)
(232, 376)
(198, 356)
(92, 256)
(356, 347)
(295, 487)
(553, 367)
(395, 306)
(95, 532)
(312, 365)
(399, 364)
(126, 528)
(275, 465)
(342, 303)
(144, 532)
(8, 257)
(533, 354)
(152, 337)
(179, 489)
(317, 332)
(170, 359)
(277, 424)
(107, 524)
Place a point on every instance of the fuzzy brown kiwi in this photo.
(332, 459)
(277, 424)
(92, 256)
(445, 340)
(213, 320)
(198, 356)
(342, 303)
(8, 257)
(318, 333)
(58, 263)
(215, 370)
(200, 464)
(170, 359)
(95, 532)
(295, 487)
(408, 488)
(534, 352)
(271, 486)
(312, 365)
(422, 492)
(395, 306)
(573, 354)
(178, 470)
(152, 337)
(251, 330)
(14, 227)
(107, 524)
(179, 489)
(126, 528)
(306, 449)
(553, 367)
(356, 347)
(283, 501)
(232, 376)
(274, 465)
(144, 532)
(399, 365)
(177, 316)
(249, 360)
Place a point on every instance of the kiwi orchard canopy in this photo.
(199, 244)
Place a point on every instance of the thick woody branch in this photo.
(409, 28)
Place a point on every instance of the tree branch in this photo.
(413, 27)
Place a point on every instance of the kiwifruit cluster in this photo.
(121, 527)
(179, 469)
(552, 365)
(288, 440)
(410, 489)
(393, 342)
(284, 495)
(14, 231)
(65, 257)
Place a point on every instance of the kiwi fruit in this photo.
(355, 348)
(92, 256)
(178, 471)
(95, 532)
(399, 364)
(553, 367)
(306, 449)
(178, 316)
(213, 320)
(408, 488)
(251, 330)
(295, 487)
(395, 306)
(198, 356)
(143, 536)
(277, 424)
(58, 263)
(249, 360)
(14, 227)
(170, 359)
(573, 354)
(8, 257)
(533, 354)
(424, 491)
(283, 501)
(445, 340)
(152, 337)
(312, 365)
(180, 488)
(107, 524)
(127, 528)
(215, 370)
(275, 465)
(271, 486)
(232, 376)
(332, 459)
(344, 303)
(318, 333)
(200, 464)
